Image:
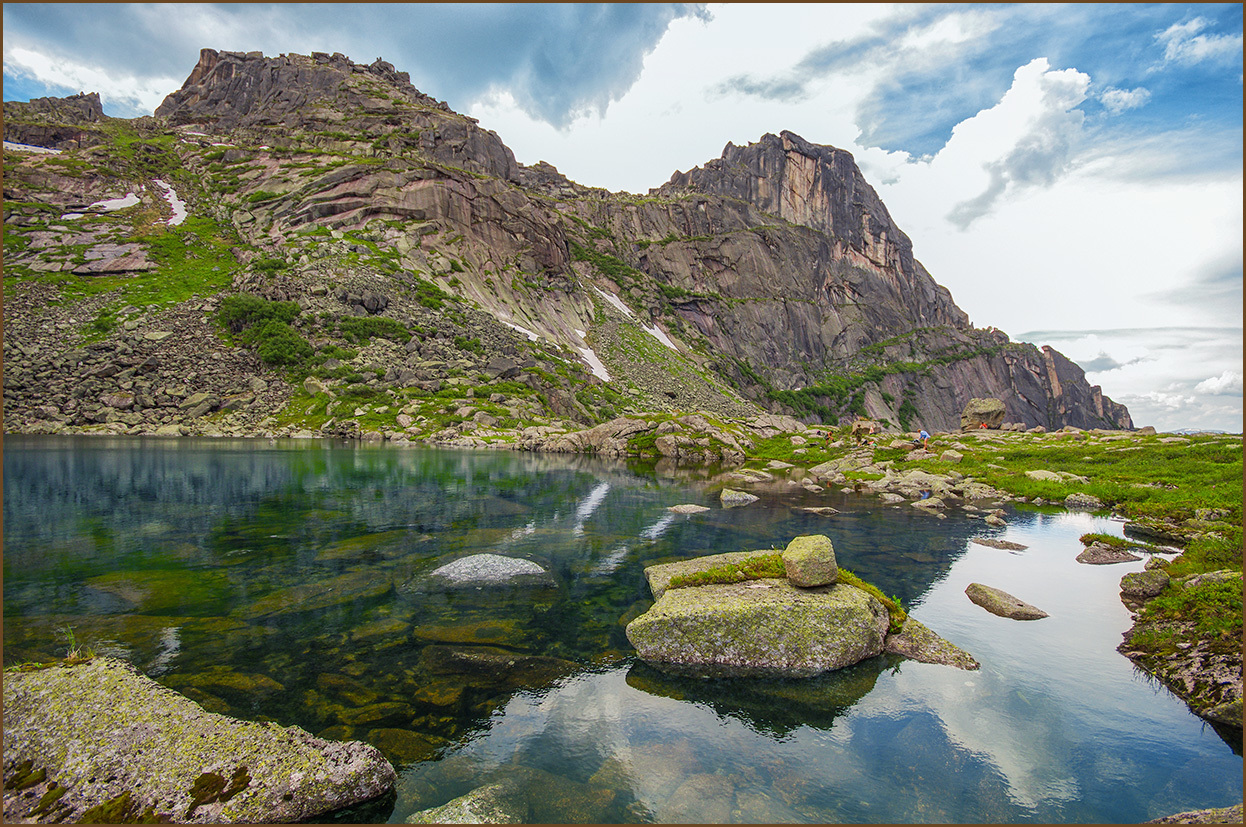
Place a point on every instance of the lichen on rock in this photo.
(115, 745)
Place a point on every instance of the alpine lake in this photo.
(288, 581)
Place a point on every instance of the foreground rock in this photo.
(1001, 603)
(1215, 815)
(491, 570)
(116, 746)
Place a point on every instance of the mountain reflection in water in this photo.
(288, 581)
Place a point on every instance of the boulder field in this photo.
(798, 625)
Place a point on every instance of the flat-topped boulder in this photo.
(760, 627)
(99, 741)
(659, 576)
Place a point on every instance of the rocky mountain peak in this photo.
(821, 187)
(329, 98)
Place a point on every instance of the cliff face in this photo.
(772, 277)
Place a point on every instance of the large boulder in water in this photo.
(121, 747)
(978, 412)
(760, 627)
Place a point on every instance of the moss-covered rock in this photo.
(760, 627)
(660, 576)
(809, 560)
(115, 745)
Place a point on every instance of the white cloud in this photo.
(1039, 127)
(127, 92)
(1227, 383)
(1183, 45)
(1117, 101)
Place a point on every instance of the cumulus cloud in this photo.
(1117, 101)
(1185, 45)
(1228, 383)
(1039, 111)
(557, 60)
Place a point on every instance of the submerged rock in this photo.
(499, 803)
(760, 627)
(119, 747)
(491, 570)
(1001, 603)
(687, 508)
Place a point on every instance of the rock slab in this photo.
(1001, 603)
(122, 746)
(761, 627)
(916, 642)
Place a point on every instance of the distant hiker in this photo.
(923, 438)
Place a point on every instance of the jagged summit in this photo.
(821, 187)
(279, 100)
(770, 278)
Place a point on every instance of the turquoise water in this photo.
(287, 581)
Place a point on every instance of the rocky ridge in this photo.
(767, 280)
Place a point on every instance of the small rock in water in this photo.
(687, 508)
(1100, 555)
(999, 602)
(731, 498)
(993, 543)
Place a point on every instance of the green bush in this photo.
(361, 329)
(245, 311)
(280, 344)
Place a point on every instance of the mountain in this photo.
(353, 250)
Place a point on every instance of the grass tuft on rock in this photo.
(754, 568)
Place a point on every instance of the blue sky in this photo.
(1072, 173)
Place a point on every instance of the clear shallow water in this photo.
(285, 581)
